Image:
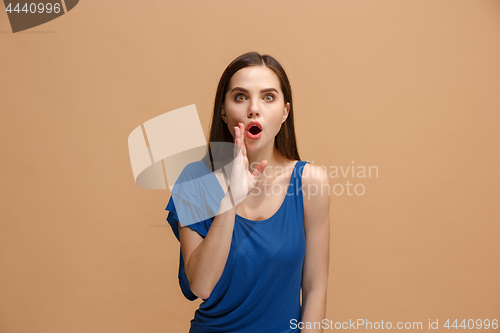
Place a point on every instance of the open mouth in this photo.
(254, 129)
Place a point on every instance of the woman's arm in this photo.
(316, 191)
(205, 258)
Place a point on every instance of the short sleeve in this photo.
(172, 219)
(200, 227)
(194, 202)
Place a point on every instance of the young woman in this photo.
(270, 237)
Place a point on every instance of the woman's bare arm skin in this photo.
(205, 258)
(317, 227)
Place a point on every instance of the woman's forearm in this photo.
(313, 310)
(206, 264)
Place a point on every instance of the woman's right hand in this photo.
(242, 181)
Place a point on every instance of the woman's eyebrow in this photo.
(262, 91)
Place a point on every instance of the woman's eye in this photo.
(237, 97)
(271, 97)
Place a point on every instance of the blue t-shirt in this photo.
(259, 290)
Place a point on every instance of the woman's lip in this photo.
(250, 135)
(254, 122)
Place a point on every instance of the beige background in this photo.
(408, 86)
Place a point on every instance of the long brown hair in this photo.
(285, 140)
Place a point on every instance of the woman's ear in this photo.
(286, 111)
(223, 115)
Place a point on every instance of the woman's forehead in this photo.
(258, 77)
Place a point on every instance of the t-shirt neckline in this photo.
(272, 217)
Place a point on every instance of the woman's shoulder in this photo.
(190, 178)
(194, 170)
(316, 193)
(314, 174)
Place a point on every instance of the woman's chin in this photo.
(256, 146)
(253, 146)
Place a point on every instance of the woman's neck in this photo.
(270, 153)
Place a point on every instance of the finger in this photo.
(236, 140)
(237, 152)
(236, 132)
(235, 149)
(243, 143)
(259, 169)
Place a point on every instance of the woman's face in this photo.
(255, 99)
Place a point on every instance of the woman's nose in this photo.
(253, 110)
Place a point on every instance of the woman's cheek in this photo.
(278, 126)
(231, 130)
